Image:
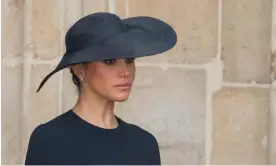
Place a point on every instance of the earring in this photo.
(81, 79)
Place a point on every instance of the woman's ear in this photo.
(78, 70)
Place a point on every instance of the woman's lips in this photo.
(123, 86)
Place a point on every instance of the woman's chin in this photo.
(120, 100)
(121, 97)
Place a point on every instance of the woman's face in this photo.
(111, 79)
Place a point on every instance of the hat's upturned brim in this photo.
(146, 36)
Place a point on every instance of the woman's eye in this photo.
(129, 60)
(109, 61)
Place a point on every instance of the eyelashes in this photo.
(129, 60)
(109, 61)
(113, 61)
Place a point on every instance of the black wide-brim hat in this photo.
(102, 36)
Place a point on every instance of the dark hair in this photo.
(76, 80)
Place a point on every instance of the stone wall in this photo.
(210, 100)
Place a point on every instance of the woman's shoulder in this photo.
(45, 139)
(47, 129)
(141, 133)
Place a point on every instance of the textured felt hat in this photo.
(102, 36)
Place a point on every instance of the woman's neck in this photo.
(96, 110)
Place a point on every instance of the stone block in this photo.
(42, 106)
(273, 40)
(12, 23)
(167, 103)
(272, 126)
(11, 114)
(92, 6)
(246, 37)
(122, 8)
(195, 22)
(71, 16)
(273, 74)
(46, 35)
(240, 126)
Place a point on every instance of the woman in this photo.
(101, 50)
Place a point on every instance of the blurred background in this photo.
(210, 100)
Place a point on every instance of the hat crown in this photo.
(93, 30)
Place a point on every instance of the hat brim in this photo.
(146, 36)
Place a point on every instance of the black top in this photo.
(70, 140)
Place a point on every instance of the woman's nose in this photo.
(124, 74)
(124, 71)
(123, 68)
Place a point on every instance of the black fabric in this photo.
(70, 140)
